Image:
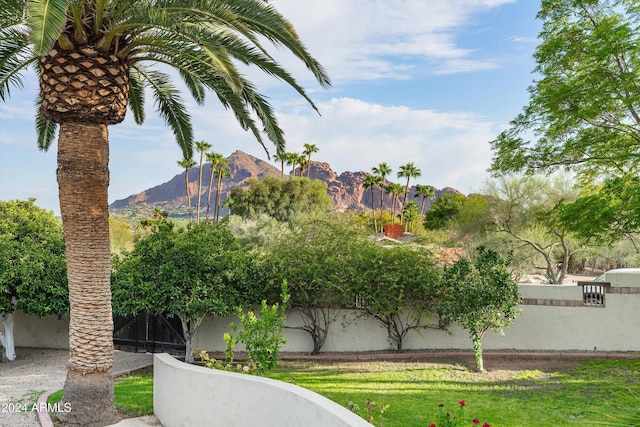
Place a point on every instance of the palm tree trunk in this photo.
(186, 180)
(206, 220)
(218, 196)
(373, 212)
(199, 187)
(83, 181)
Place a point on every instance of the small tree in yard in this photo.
(397, 286)
(33, 269)
(189, 273)
(316, 260)
(262, 335)
(479, 296)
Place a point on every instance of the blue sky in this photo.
(423, 81)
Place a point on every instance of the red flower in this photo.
(462, 403)
(476, 421)
(486, 425)
(432, 425)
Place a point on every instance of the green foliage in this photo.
(479, 296)
(262, 335)
(397, 286)
(316, 258)
(120, 234)
(32, 260)
(584, 109)
(181, 272)
(186, 273)
(443, 211)
(279, 198)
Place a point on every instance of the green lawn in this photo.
(411, 391)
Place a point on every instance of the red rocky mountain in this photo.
(345, 189)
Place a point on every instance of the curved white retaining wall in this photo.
(188, 395)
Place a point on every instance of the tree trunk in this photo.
(6, 336)
(477, 348)
(83, 181)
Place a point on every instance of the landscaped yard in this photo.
(531, 392)
(516, 392)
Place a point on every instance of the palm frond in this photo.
(195, 86)
(136, 94)
(171, 108)
(265, 20)
(45, 129)
(11, 13)
(15, 57)
(46, 19)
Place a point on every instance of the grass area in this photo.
(412, 392)
(133, 393)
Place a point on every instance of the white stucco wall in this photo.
(539, 327)
(49, 332)
(186, 395)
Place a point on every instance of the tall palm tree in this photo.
(426, 192)
(309, 149)
(407, 171)
(201, 146)
(222, 171)
(95, 57)
(382, 170)
(292, 160)
(395, 190)
(370, 182)
(213, 158)
(187, 164)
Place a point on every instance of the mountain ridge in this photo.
(345, 189)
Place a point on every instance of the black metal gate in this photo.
(149, 333)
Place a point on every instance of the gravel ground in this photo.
(36, 371)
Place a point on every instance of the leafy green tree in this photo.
(317, 260)
(605, 213)
(396, 286)
(32, 266)
(280, 199)
(92, 60)
(186, 273)
(584, 110)
(479, 296)
(443, 211)
(524, 210)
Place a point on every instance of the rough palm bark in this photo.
(83, 178)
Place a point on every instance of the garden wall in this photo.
(554, 317)
(187, 395)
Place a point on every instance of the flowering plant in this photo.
(454, 418)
